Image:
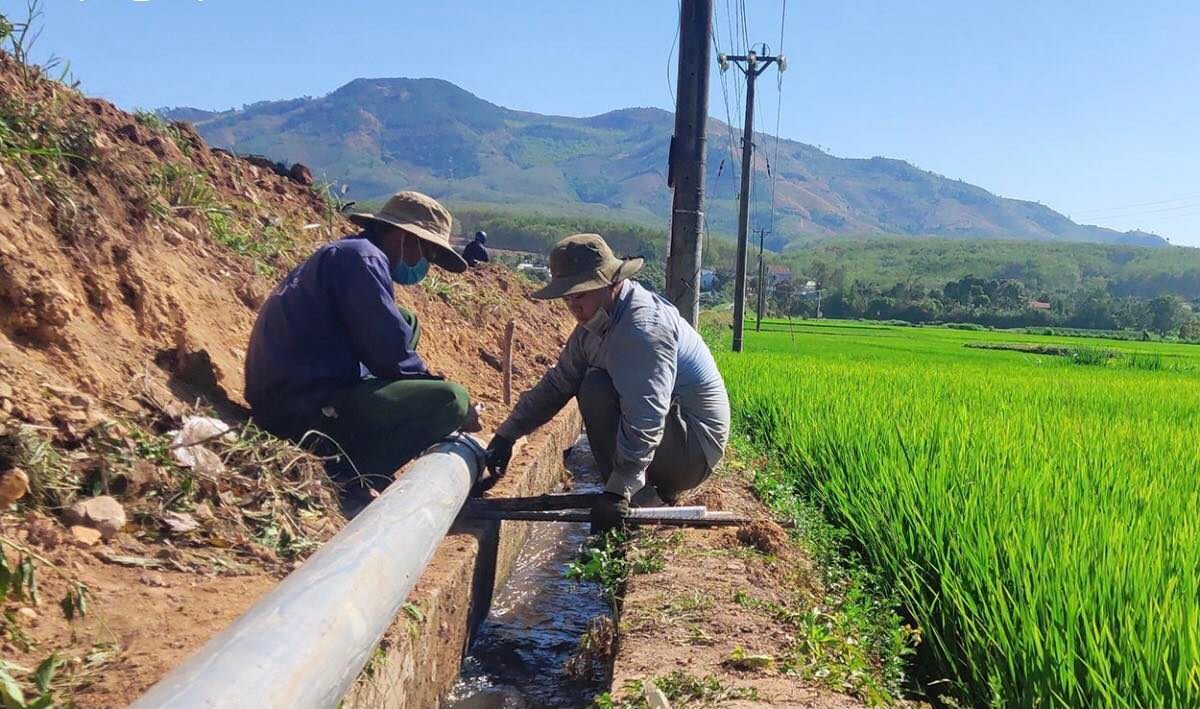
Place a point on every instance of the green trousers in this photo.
(381, 424)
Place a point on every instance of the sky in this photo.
(1090, 108)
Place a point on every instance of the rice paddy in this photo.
(1037, 513)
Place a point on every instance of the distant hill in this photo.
(378, 135)
(1055, 268)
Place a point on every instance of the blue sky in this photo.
(1089, 107)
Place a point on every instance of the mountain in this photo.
(380, 135)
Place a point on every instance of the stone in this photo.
(153, 578)
(203, 511)
(179, 522)
(141, 476)
(102, 513)
(27, 613)
(301, 174)
(14, 483)
(6, 390)
(85, 536)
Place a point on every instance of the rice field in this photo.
(1038, 514)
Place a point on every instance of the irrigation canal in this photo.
(517, 657)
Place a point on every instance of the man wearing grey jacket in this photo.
(653, 402)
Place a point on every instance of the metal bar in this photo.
(573, 501)
(304, 643)
(647, 516)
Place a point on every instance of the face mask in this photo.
(406, 275)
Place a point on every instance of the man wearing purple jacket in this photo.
(332, 352)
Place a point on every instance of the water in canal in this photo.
(517, 658)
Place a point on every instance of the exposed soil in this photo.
(686, 617)
(123, 302)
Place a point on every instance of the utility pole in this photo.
(754, 65)
(762, 278)
(686, 170)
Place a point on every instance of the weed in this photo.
(12, 692)
(1150, 362)
(158, 124)
(683, 690)
(182, 189)
(53, 481)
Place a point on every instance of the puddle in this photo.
(517, 656)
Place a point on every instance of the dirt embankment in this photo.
(132, 261)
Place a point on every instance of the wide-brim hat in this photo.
(584, 262)
(421, 216)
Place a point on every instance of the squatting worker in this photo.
(332, 352)
(652, 400)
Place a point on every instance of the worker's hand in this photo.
(497, 456)
(609, 512)
(472, 424)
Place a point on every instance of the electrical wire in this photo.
(671, 53)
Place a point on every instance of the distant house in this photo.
(807, 286)
(708, 279)
(777, 274)
(1039, 305)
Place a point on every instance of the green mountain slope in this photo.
(378, 135)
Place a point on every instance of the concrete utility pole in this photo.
(754, 65)
(686, 170)
(762, 278)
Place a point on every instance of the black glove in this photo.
(497, 456)
(609, 512)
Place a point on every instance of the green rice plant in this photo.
(1091, 356)
(1151, 361)
(1038, 523)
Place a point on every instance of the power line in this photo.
(1086, 212)
(1131, 215)
(671, 53)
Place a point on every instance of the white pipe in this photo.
(304, 643)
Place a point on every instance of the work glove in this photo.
(609, 512)
(497, 456)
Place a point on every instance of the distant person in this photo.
(474, 253)
(653, 402)
(332, 352)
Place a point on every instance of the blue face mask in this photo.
(407, 275)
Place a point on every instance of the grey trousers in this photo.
(678, 465)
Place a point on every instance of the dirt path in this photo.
(712, 597)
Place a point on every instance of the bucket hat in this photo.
(421, 216)
(584, 262)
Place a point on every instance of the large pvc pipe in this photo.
(304, 643)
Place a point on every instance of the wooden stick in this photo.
(508, 347)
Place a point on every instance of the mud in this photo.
(517, 658)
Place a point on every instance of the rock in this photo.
(203, 511)
(102, 513)
(153, 578)
(6, 390)
(179, 522)
(301, 174)
(14, 483)
(27, 613)
(85, 536)
(141, 476)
